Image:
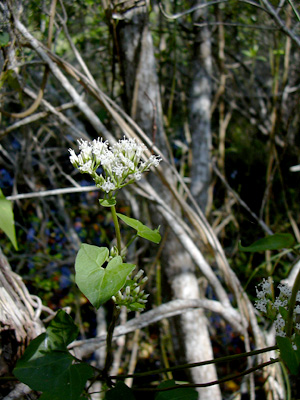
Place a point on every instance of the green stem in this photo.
(117, 228)
(131, 240)
(292, 302)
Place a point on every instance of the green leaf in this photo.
(176, 394)
(107, 202)
(54, 374)
(142, 230)
(4, 39)
(47, 366)
(42, 368)
(115, 277)
(272, 242)
(288, 354)
(7, 219)
(96, 283)
(120, 392)
(61, 331)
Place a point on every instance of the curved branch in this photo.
(168, 310)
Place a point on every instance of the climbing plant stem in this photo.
(117, 228)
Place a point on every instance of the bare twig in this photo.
(53, 192)
(167, 310)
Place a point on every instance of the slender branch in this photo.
(279, 22)
(33, 117)
(34, 106)
(167, 310)
(54, 192)
(217, 382)
(219, 360)
(86, 110)
(117, 228)
(294, 10)
(190, 10)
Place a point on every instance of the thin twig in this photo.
(54, 192)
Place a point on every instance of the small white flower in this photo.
(108, 186)
(153, 160)
(297, 309)
(285, 290)
(121, 163)
(261, 305)
(86, 167)
(73, 157)
(279, 326)
(118, 169)
(279, 303)
(137, 176)
(107, 159)
(83, 144)
(99, 146)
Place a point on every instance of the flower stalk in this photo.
(117, 228)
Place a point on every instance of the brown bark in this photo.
(19, 319)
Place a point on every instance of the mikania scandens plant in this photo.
(100, 273)
(112, 167)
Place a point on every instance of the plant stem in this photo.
(117, 228)
(131, 240)
(289, 322)
(109, 350)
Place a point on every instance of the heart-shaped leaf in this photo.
(143, 231)
(96, 283)
(54, 374)
(47, 366)
(7, 219)
(272, 242)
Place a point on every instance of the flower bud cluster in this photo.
(132, 297)
(273, 308)
(121, 163)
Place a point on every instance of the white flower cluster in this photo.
(270, 307)
(121, 163)
(132, 297)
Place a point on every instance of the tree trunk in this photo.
(142, 99)
(200, 103)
